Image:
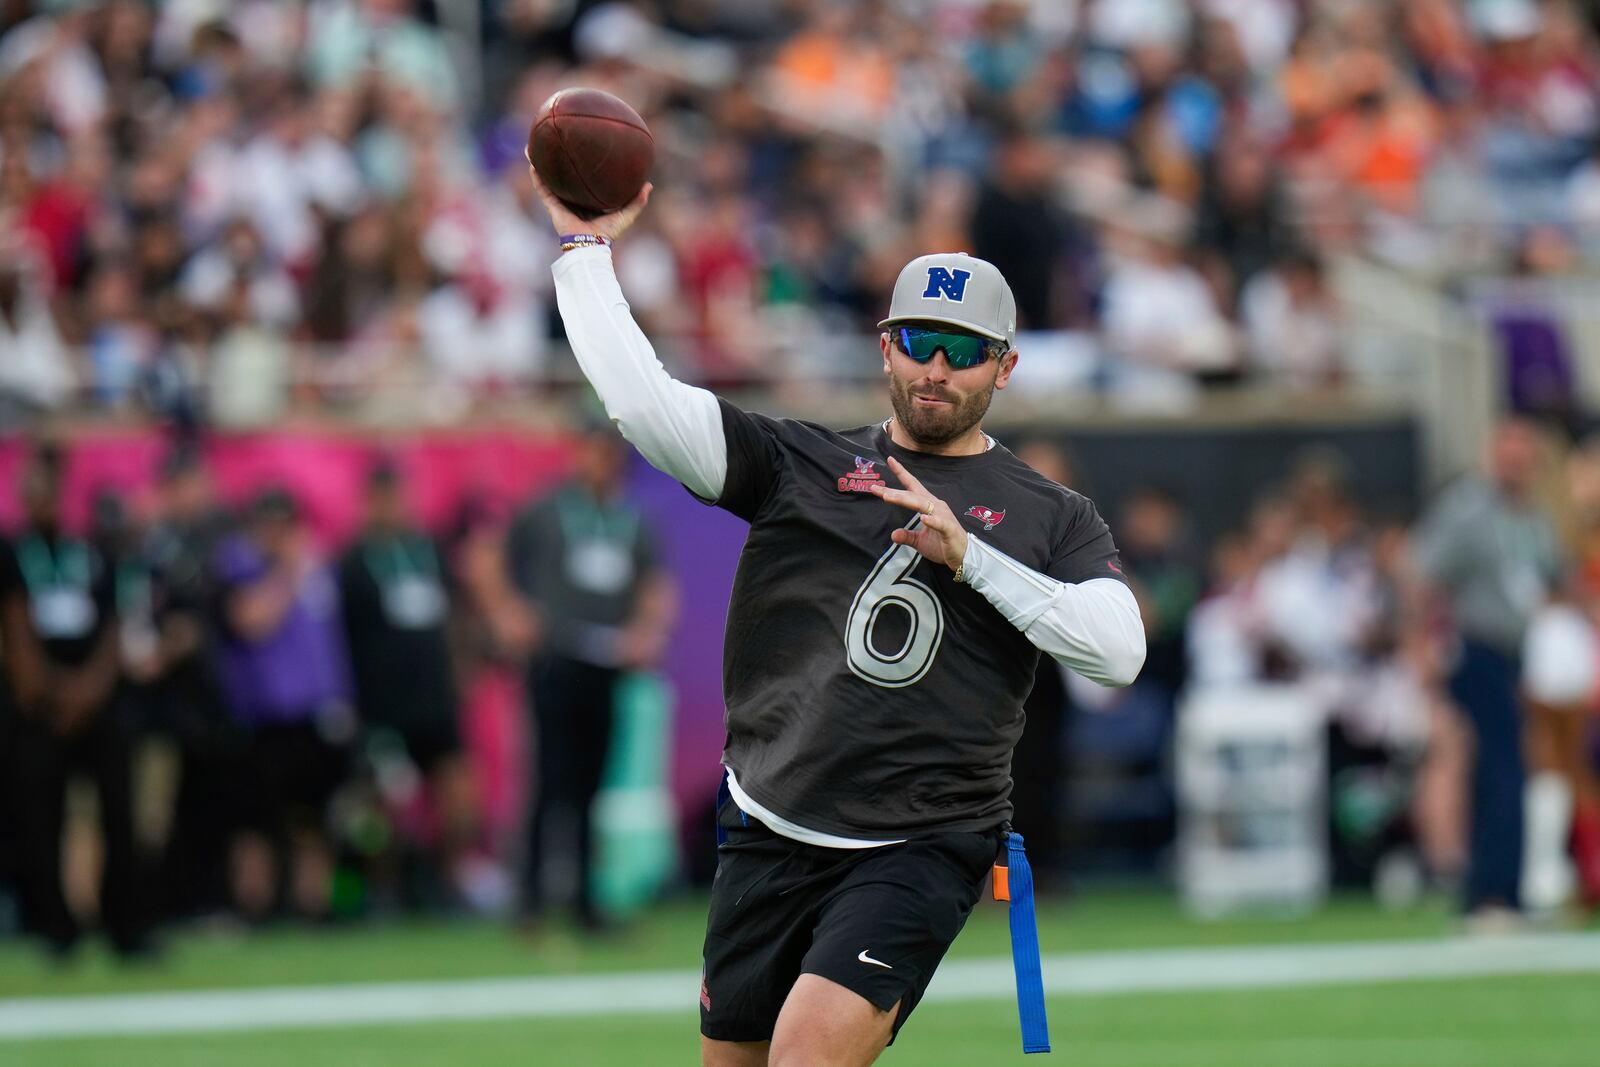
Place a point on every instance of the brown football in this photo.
(591, 149)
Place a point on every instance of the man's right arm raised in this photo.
(674, 425)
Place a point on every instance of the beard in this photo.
(935, 427)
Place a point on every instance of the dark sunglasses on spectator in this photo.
(961, 350)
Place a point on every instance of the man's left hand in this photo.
(939, 536)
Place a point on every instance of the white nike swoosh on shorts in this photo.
(864, 958)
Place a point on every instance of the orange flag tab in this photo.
(1002, 882)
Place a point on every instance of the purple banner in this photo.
(701, 545)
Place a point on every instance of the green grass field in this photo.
(1513, 1021)
(667, 938)
(1522, 1022)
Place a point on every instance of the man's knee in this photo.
(733, 1053)
(823, 1024)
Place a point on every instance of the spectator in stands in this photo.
(172, 386)
(1292, 324)
(718, 272)
(62, 210)
(395, 606)
(35, 371)
(130, 140)
(69, 721)
(1159, 310)
(289, 176)
(1493, 559)
(122, 335)
(587, 562)
(352, 37)
(350, 280)
(286, 678)
(1017, 225)
(1005, 51)
(835, 68)
(239, 260)
(1583, 198)
(251, 367)
(157, 257)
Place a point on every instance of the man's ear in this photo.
(884, 344)
(1008, 363)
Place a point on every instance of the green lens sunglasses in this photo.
(961, 350)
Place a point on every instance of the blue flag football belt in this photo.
(1013, 883)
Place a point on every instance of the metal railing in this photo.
(834, 379)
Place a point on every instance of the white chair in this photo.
(1252, 821)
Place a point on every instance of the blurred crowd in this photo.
(223, 215)
(232, 212)
(1455, 659)
(344, 732)
(276, 727)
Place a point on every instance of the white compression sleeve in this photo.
(1092, 627)
(676, 426)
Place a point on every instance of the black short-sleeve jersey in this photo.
(869, 694)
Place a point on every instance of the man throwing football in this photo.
(896, 589)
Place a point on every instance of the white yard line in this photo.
(674, 992)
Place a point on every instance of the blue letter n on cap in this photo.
(950, 284)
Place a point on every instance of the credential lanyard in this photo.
(1013, 882)
(583, 519)
(402, 562)
(44, 567)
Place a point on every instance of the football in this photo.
(591, 150)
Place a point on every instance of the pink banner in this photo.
(323, 470)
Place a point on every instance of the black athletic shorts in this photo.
(875, 920)
(291, 772)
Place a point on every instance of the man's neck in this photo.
(973, 442)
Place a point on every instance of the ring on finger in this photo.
(928, 510)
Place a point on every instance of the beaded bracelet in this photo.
(569, 241)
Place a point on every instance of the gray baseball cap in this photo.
(958, 290)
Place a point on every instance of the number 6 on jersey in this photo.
(890, 585)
